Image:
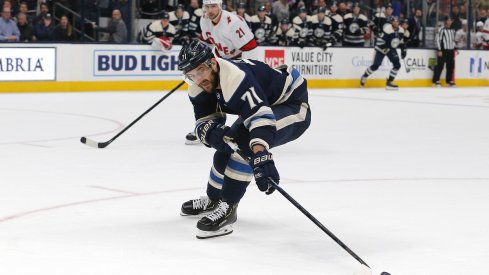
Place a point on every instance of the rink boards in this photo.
(106, 67)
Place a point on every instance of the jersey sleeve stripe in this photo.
(299, 117)
(294, 80)
(263, 113)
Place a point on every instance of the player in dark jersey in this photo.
(272, 108)
(386, 44)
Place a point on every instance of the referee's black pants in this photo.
(448, 57)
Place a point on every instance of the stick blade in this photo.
(363, 270)
(91, 142)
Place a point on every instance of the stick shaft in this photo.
(105, 144)
(310, 216)
(318, 223)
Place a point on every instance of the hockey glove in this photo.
(301, 44)
(264, 170)
(403, 53)
(212, 134)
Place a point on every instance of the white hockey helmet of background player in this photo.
(211, 2)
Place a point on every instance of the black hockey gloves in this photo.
(264, 169)
(403, 52)
(212, 134)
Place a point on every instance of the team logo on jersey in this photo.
(318, 32)
(304, 32)
(395, 43)
(274, 58)
(353, 27)
(260, 33)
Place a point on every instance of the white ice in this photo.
(401, 177)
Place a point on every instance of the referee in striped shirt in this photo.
(445, 43)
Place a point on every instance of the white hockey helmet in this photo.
(208, 2)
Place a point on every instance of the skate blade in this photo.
(201, 215)
(192, 142)
(226, 230)
(391, 88)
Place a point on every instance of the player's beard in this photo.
(212, 84)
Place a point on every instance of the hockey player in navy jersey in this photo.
(272, 108)
(391, 38)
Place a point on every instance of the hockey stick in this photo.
(309, 215)
(95, 144)
(406, 67)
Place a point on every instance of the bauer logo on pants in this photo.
(274, 58)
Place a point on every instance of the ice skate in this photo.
(437, 84)
(363, 80)
(191, 139)
(200, 206)
(219, 222)
(391, 86)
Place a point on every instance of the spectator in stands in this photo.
(9, 32)
(64, 31)
(25, 28)
(457, 23)
(44, 8)
(269, 13)
(44, 30)
(281, 10)
(414, 23)
(116, 28)
(482, 16)
(23, 8)
(241, 11)
(431, 13)
(462, 11)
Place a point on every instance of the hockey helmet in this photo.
(241, 5)
(394, 18)
(302, 9)
(261, 8)
(209, 2)
(322, 10)
(180, 7)
(165, 15)
(284, 21)
(192, 55)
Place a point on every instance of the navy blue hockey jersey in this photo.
(248, 89)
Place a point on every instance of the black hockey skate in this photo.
(191, 139)
(199, 206)
(391, 86)
(219, 222)
(363, 80)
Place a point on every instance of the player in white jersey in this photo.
(228, 33)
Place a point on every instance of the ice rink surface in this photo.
(401, 177)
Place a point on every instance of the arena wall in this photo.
(109, 67)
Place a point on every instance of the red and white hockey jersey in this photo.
(230, 36)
